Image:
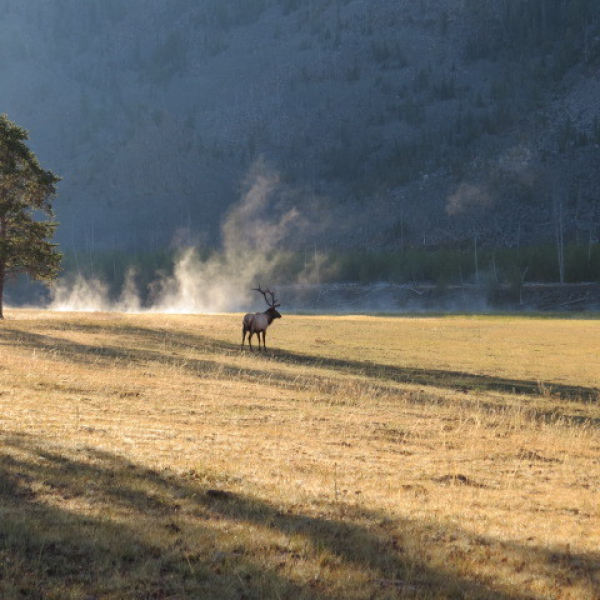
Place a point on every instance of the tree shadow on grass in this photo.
(95, 525)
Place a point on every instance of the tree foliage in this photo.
(26, 215)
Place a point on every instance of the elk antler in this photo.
(273, 303)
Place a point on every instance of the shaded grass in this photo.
(144, 542)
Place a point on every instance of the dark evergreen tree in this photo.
(26, 216)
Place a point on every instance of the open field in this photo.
(146, 456)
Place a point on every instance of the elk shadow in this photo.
(101, 526)
(439, 378)
(468, 384)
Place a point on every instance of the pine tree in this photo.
(26, 216)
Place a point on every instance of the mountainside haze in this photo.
(386, 124)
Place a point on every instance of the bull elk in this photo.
(258, 322)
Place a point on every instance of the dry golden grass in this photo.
(146, 456)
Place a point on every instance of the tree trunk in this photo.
(2, 265)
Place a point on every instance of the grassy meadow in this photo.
(147, 456)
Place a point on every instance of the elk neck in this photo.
(271, 314)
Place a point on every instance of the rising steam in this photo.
(252, 235)
(466, 198)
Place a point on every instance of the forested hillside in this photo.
(389, 125)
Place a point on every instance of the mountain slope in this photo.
(387, 122)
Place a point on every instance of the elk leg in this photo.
(244, 330)
(265, 339)
(250, 339)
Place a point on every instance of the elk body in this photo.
(260, 321)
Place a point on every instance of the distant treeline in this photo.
(489, 267)
(485, 266)
(494, 269)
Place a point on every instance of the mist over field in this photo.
(251, 233)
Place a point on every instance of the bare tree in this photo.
(559, 232)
